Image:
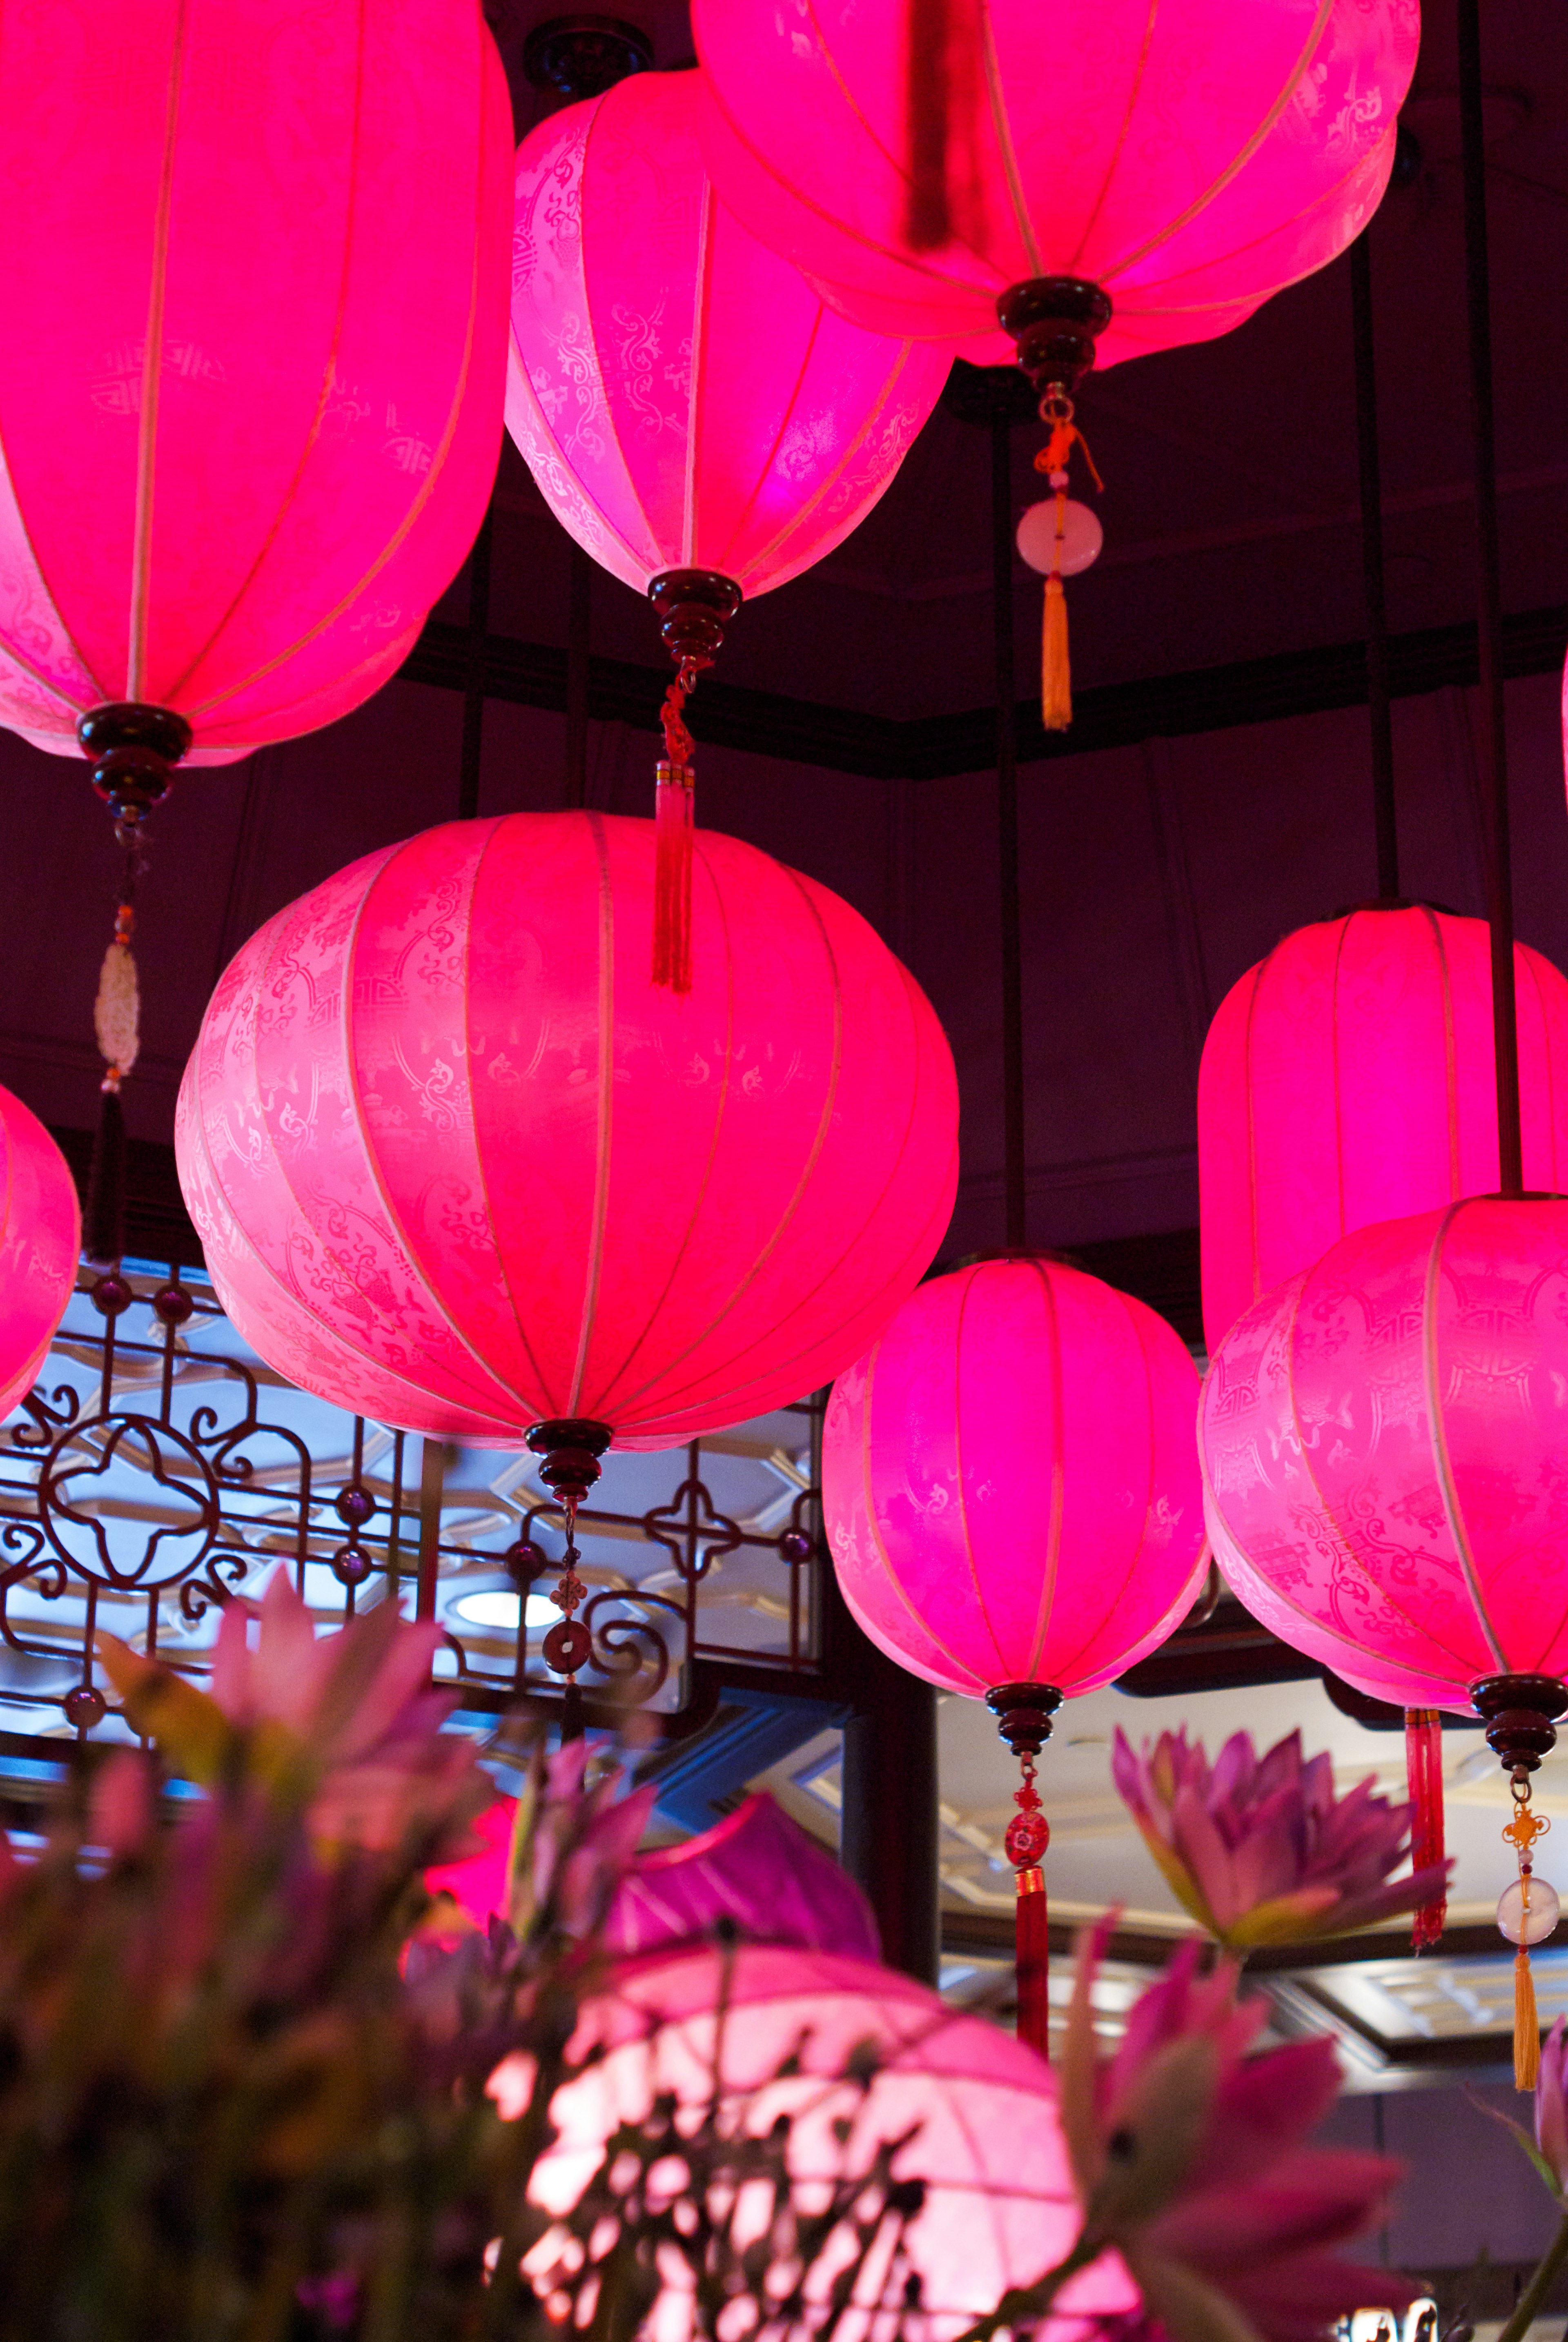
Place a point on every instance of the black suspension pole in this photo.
(1014, 1186)
(1489, 610)
(1378, 712)
(579, 627)
(474, 685)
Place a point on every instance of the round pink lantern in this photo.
(1000, 2205)
(40, 1240)
(457, 1164)
(692, 413)
(682, 396)
(1382, 1439)
(1349, 1078)
(250, 426)
(1187, 160)
(1010, 1493)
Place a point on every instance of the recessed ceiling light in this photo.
(498, 1606)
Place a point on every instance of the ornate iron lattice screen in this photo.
(158, 1468)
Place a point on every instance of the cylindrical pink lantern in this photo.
(1011, 1493)
(1189, 160)
(458, 1164)
(251, 398)
(682, 396)
(1349, 1078)
(1009, 1480)
(1000, 2205)
(1382, 1441)
(40, 1240)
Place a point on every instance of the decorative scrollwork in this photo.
(92, 1450)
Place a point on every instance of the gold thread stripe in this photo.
(1244, 154)
(275, 527)
(604, 1121)
(1076, 262)
(152, 373)
(438, 463)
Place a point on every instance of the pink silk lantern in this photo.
(1010, 1493)
(457, 1164)
(251, 405)
(1189, 159)
(1104, 177)
(1349, 1078)
(693, 415)
(40, 1239)
(999, 2205)
(755, 1871)
(1382, 1441)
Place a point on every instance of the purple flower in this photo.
(1259, 1849)
(1190, 2159)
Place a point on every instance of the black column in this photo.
(887, 1828)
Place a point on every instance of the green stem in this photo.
(1539, 2286)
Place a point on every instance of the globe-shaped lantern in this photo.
(1383, 1440)
(40, 1239)
(693, 414)
(1011, 1491)
(458, 1164)
(252, 422)
(980, 2109)
(1349, 1078)
(1115, 177)
(1184, 161)
(682, 396)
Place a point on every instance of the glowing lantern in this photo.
(756, 1870)
(694, 415)
(40, 1238)
(252, 422)
(1011, 1490)
(1382, 1439)
(1189, 160)
(1114, 176)
(986, 2138)
(457, 1164)
(1348, 1077)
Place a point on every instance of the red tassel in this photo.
(1034, 1956)
(672, 878)
(1423, 1769)
(673, 821)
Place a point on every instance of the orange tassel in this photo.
(1423, 1773)
(1526, 2025)
(1055, 671)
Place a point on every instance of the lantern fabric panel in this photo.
(1009, 1480)
(1189, 157)
(1000, 2203)
(252, 530)
(1349, 1078)
(1382, 1441)
(682, 396)
(40, 1243)
(446, 1144)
